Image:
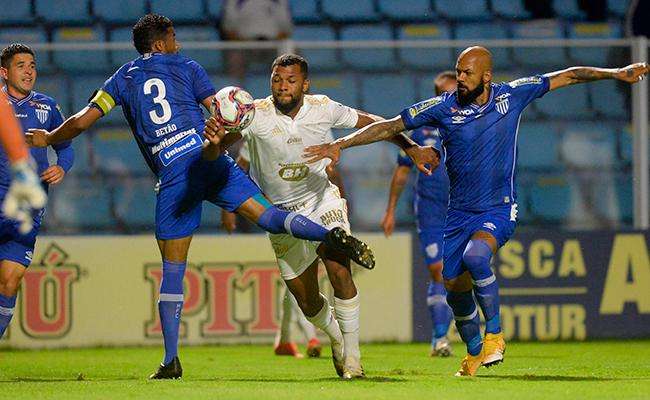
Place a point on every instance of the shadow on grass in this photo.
(71, 379)
(380, 379)
(557, 378)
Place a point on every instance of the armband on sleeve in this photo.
(104, 101)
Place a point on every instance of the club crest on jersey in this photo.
(42, 115)
(502, 103)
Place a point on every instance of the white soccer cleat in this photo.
(337, 358)
(442, 348)
(352, 368)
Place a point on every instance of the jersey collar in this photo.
(18, 102)
(487, 103)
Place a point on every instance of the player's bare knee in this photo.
(435, 270)
(10, 286)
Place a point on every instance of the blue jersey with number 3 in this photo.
(160, 95)
(480, 141)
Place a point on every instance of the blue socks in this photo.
(438, 309)
(274, 220)
(170, 305)
(7, 305)
(467, 320)
(477, 260)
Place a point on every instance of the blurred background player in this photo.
(430, 209)
(161, 93)
(478, 125)
(33, 110)
(284, 124)
(284, 345)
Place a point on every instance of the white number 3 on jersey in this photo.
(160, 100)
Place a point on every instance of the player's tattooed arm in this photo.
(571, 76)
(401, 140)
(68, 130)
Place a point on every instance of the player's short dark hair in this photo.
(286, 60)
(449, 74)
(10, 51)
(148, 29)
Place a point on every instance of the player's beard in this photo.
(286, 107)
(469, 96)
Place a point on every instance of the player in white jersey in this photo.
(285, 123)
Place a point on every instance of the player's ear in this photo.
(487, 76)
(305, 85)
(3, 73)
(158, 46)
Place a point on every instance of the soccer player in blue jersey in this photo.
(430, 207)
(161, 93)
(478, 125)
(33, 110)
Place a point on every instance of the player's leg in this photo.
(307, 328)
(11, 274)
(284, 346)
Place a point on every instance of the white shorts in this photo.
(296, 255)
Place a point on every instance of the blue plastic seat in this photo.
(29, 36)
(626, 142)
(119, 11)
(60, 12)
(625, 196)
(426, 58)
(407, 10)
(589, 145)
(593, 55)
(20, 12)
(618, 7)
(221, 81)
(211, 60)
(186, 11)
(82, 89)
(486, 31)
(135, 202)
(121, 57)
(215, 8)
(537, 146)
(566, 103)
(539, 56)
(338, 87)
(387, 94)
(463, 10)
(568, 9)
(117, 152)
(57, 88)
(511, 9)
(369, 59)
(258, 86)
(319, 59)
(304, 11)
(608, 99)
(344, 11)
(84, 204)
(80, 60)
(550, 199)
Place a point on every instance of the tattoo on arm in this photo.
(574, 75)
(375, 132)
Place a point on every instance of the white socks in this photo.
(347, 313)
(324, 321)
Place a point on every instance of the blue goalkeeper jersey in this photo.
(161, 97)
(480, 141)
(37, 111)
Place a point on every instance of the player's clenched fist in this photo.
(37, 137)
(632, 73)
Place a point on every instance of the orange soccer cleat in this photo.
(287, 349)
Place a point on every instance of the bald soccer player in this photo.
(478, 125)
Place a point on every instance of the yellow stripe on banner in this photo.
(523, 291)
(104, 101)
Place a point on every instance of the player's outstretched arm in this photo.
(400, 177)
(571, 76)
(70, 129)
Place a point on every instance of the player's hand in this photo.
(632, 73)
(321, 151)
(388, 223)
(53, 175)
(228, 221)
(37, 137)
(25, 194)
(425, 158)
(214, 132)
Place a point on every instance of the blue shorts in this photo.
(430, 217)
(182, 192)
(15, 246)
(431, 243)
(461, 225)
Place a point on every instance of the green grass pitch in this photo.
(549, 371)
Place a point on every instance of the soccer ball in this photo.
(233, 108)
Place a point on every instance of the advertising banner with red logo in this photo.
(103, 290)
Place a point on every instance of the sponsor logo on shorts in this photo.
(167, 156)
(332, 216)
(490, 226)
(513, 212)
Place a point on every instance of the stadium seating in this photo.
(121, 57)
(191, 11)
(304, 11)
(511, 9)
(56, 88)
(539, 56)
(211, 60)
(618, 7)
(339, 87)
(82, 204)
(426, 58)
(625, 143)
(60, 12)
(412, 10)
(568, 9)
(463, 10)
(589, 145)
(344, 11)
(387, 94)
(80, 60)
(625, 197)
(20, 12)
(221, 81)
(214, 8)
(319, 59)
(593, 55)
(550, 198)
(257, 85)
(368, 59)
(608, 99)
(477, 31)
(538, 146)
(135, 203)
(119, 11)
(117, 154)
(29, 36)
(82, 89)
(568, 103)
